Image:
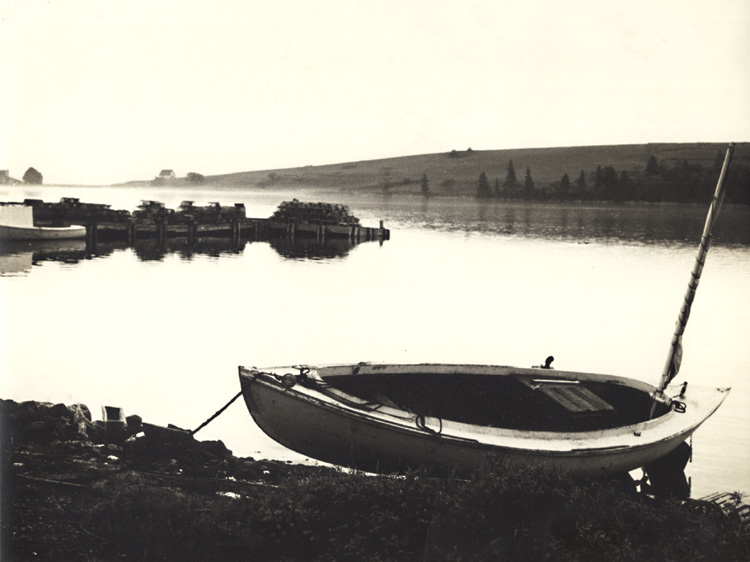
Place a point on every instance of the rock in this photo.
(96, 433)
(134, 424)
(32, 409)
(113, 449)
(38, 431)
(60, 411)
(215, 448)
(8, 407)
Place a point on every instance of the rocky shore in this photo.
(58, 453)
(73, 488)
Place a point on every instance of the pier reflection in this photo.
(312, 249)
(17, 258)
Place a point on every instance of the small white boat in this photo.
(17, 223)
(452, 418)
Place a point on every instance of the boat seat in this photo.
(571, 395)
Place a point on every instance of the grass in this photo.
(327, 515)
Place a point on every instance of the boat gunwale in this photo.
(664, 428)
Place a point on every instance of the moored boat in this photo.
(17, 223)
(452, 418)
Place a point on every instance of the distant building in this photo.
(5, 178)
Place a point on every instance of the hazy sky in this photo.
(104, 92)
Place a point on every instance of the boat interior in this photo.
(517, 402)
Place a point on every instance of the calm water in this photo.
(160, 331)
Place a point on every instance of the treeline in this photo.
(683, 182)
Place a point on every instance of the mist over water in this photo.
(159, 330)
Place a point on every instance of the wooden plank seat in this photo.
(571, 395)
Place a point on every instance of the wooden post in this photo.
(91, 233)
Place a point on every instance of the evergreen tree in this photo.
(598, 178)
(581, 182)
(564, 188)
(609, 181)
(625, 187)
(483, 189)
(652, 167)
(425, 185)
(528, 184)
(510, 176)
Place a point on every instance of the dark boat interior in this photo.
(512, 402)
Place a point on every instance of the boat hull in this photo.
(388, 441)
(42, 233)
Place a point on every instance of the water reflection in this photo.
(17, 258)
(155, 250)
(310, 249)
(635, 223)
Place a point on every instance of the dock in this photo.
(152, 220)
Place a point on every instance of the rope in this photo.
(216, 415)
(422, 424)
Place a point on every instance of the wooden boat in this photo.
(17, 223)
(451, 418)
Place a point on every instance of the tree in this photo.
(483, 189)
(195, 177)
(581, 182)
(652, 167)
(598, 178)
(564, 188)
(510, 176)
(425, 185)
(609, 182)
(626, 189)
(528, 184)
(498, 192)
(33, 176)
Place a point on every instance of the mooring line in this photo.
(216, 415)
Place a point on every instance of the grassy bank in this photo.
(336, 516)
(71, 499)
(683, 172)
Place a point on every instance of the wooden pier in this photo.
(152, 220)
(258, 229)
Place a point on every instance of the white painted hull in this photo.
(42, 233)
(333, 428)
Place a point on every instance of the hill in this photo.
(457, 172)
(682, 172)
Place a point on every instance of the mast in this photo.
(672, 365)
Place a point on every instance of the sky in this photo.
(96, 93)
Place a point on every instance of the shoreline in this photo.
(76, 489)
